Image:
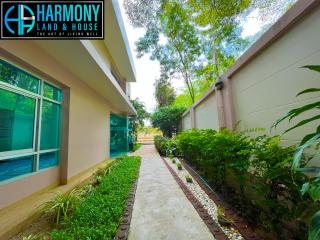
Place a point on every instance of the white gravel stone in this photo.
(202, 197)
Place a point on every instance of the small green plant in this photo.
(173, 161)
(189, 179)
(102, 172)
(179, 166)
(222, 219)
(32, 237)
(99, 214)
(62, 205)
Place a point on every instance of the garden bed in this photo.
(252, 175)
(100, 210)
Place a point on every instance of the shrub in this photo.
(62, 205)
(161, 144)
(179, 166)
(167, 119)
(255, 174)
(99, 215)
(167, 147)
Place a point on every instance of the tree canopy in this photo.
(164, 92)
(196, 40)
(167, 119)
(142, 114)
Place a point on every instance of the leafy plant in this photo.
(189, 179)
(62, 205)
(179, 166)
(161, 144)
(173, 161)
(167, 147)
(99, 214)
(312, 187)
(31, 237)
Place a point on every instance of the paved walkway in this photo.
(161, 210)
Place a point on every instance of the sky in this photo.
(148, 71)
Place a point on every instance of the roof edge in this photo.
(116, 7)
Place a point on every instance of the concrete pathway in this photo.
(161, 210)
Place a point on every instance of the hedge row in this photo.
(255, 175)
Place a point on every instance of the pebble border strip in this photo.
(240, 224)
(203, 213)
(123, 229)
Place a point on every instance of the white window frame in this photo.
(38, 97)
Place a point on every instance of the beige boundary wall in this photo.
(261, 86)
(85, 123)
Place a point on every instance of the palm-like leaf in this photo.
(313, 186)
(313, 67)
(298, 155)
(309, 90)
(314, 229)
(296, 112)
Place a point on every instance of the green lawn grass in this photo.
(136, 146)
(99, 214)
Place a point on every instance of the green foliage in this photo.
(99, 215)
(183, 100)
(62, 205)
(166, 146)
(312, 186)
(136, 146)
(179, 166)
(189, 179)
(164, 93)
(254, 173)
(32, 237)
(161, 144)
(167, 119)
(142, 114)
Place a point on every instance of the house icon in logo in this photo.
(22, 19)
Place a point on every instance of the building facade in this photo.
(58, 100)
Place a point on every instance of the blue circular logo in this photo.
(24, 22)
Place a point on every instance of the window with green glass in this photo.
(30, 123)
(17, 120)
(15, 167)
(47, 160)
(50, 125)
(118, 135)
(18, 78)
(52, 92)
